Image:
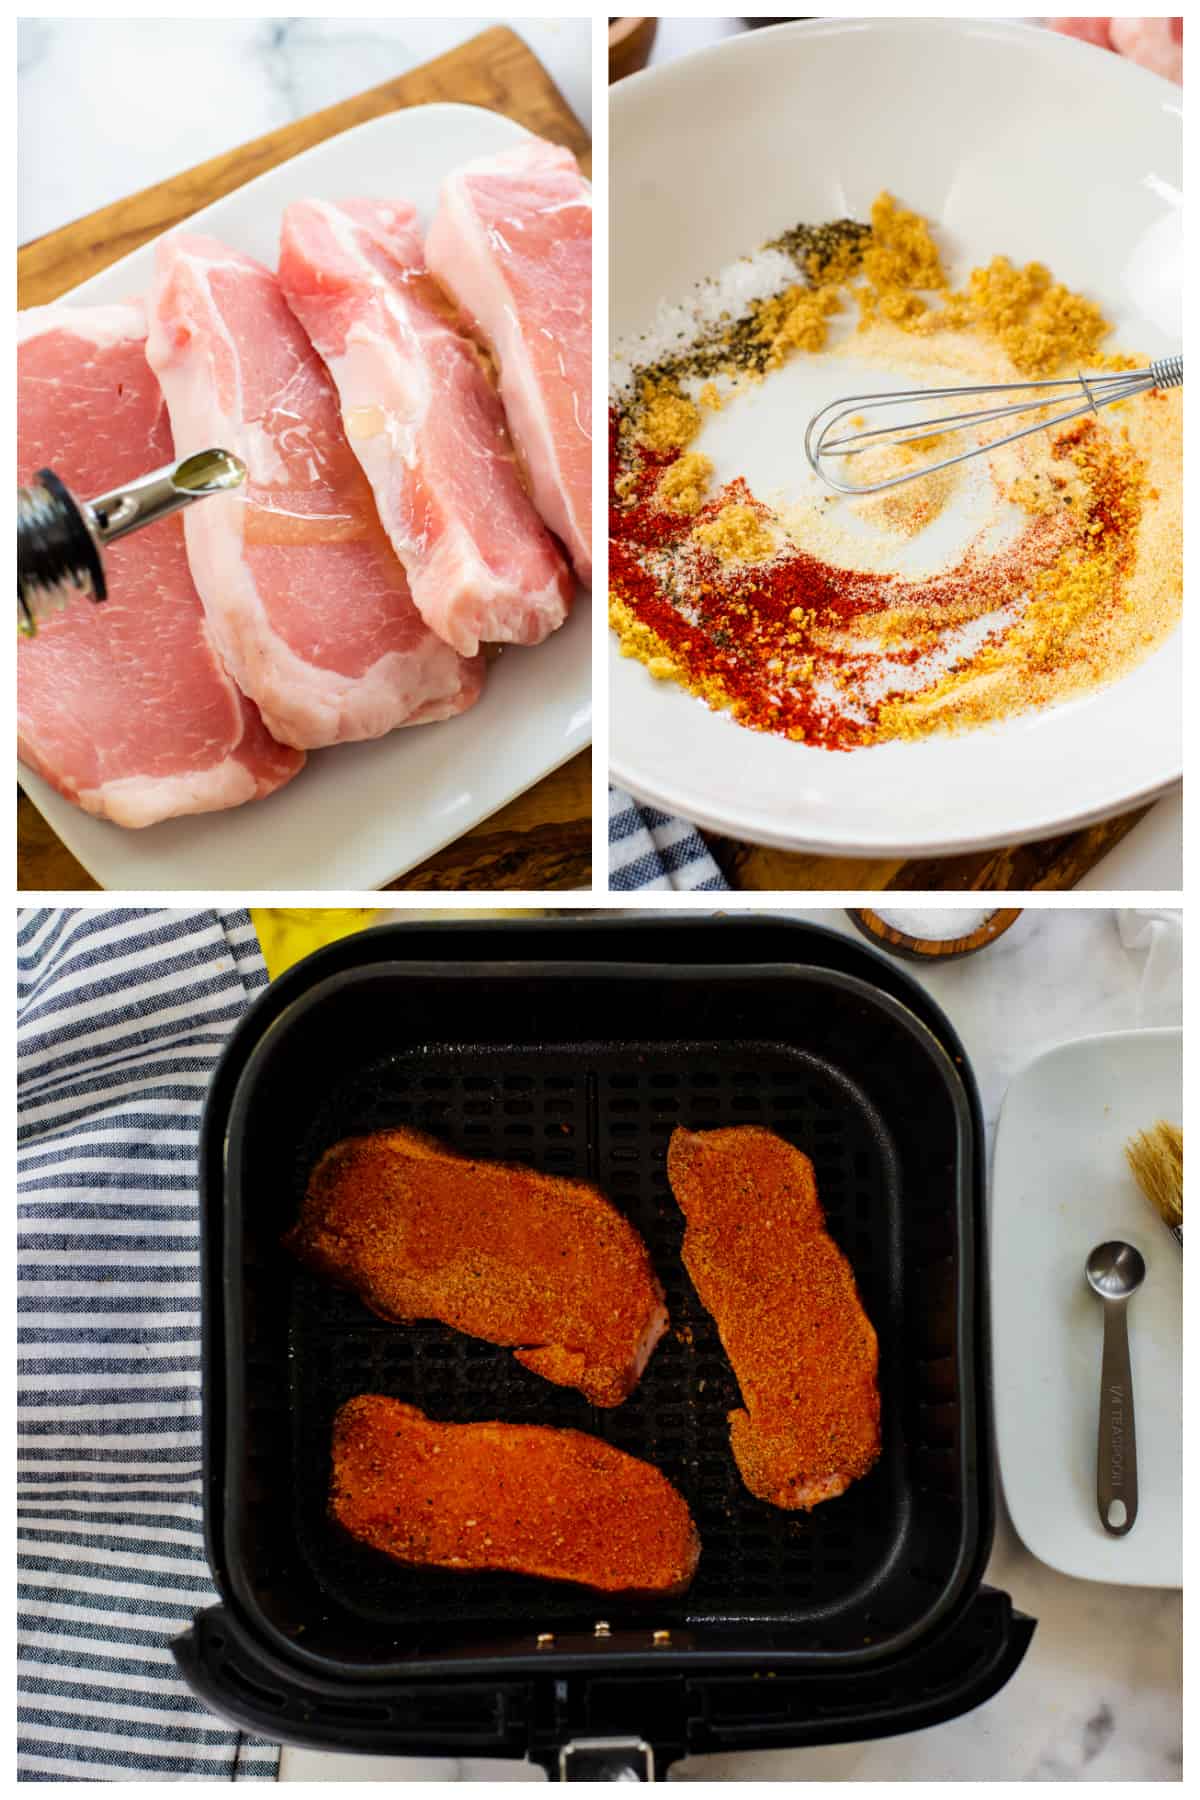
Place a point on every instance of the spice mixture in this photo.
(794, 618)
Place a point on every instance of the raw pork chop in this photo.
(512, 242)
(425, 424)
(310, 609)
(125, 707)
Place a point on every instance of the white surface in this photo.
(160, 79)
(775, 148)
(1060, 1185)
(1098, 1695)
(359, 814)
(1148, 859)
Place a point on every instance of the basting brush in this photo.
(1156, 1158)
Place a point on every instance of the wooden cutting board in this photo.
(541, 840)
(1048, 866)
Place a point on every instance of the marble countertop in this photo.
(1098, 1697)
(108, 106)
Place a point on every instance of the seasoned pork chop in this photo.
(557, 1504)
(544, 1266)
(512, 242)
(785, 1303)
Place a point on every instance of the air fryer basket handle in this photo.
(603, 1759)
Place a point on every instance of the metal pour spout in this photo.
(166, 491)
(60, 540)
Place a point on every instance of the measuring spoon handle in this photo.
(1116, 1461)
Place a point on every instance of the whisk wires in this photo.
(1052, 402)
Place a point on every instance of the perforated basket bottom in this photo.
(606, 1114)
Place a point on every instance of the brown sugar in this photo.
(737, 534)
(901, 254)
(668, 419)
(1039, 322)
(797, 319)
(682, 486)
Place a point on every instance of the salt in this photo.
(680, 324)
(935, 924)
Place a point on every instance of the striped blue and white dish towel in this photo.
(650, 849)
(121, 1017)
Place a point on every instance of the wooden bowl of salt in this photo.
(936, 934)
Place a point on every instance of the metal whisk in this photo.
(1061, 400)
(60, 540)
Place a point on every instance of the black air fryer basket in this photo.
(577, 1047)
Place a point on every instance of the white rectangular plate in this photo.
(1061, 1185)
(357, 815)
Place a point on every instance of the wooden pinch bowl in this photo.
(899, 943)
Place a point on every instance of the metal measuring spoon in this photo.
(1114, 1272)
